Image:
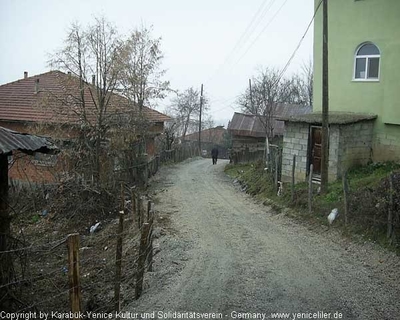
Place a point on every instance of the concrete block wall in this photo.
(355, 145)
(334, 152)
(295, 142)
(386, 146)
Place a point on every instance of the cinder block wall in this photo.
(386, 146)
(295, 142)
(355, 145)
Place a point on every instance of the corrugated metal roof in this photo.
(246, 125)
(19, 102)
(11, 140)
(252, 125)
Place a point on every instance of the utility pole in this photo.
(201, 107)
(251, 96)
(325, 101)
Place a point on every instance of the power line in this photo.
(262, 31)
(299, 44)
(254, 22)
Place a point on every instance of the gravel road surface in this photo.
(219, 251)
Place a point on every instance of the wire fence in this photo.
(91, 271)
(99, 261)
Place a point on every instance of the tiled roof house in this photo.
(48, 98)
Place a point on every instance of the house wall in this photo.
(27, 169)
(352, 23)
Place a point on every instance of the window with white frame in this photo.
(367, 61)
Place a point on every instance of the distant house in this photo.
(364, 95)
(37, 104)
(248, 130)
(212, 137)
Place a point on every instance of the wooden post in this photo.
(118, 263)
(139, 210)
(133, 199)
(73, 273)
(141, 260)
(122, 197)
(310, 188)
(293, 172)
(276, 171)
(390, 210)
(150, 220)
(345, 196)
(148, 210)
(325, 101)
(146, 174)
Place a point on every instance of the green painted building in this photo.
(364, 66)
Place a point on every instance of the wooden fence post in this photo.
(293, 172)
(390, 209)
(310, 188)
(133, 199)
(150, 220)
(345, 196)
(118, 263)
(139, 210)
(73, 273)
(276, 171)
(141, 259)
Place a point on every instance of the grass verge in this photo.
(368, 200)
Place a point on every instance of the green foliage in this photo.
(35, 218)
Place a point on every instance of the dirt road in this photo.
(222, 252)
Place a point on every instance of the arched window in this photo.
(367, 60)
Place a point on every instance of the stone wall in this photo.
(295, 142)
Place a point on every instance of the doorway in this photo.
(316, 149)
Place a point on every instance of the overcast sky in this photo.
(202, 41)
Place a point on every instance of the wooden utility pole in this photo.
(251, 95)
(73, 273)
(325, 101)
(201, 107)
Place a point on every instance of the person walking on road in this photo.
(214, 155)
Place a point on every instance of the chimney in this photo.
(93, 80)
(36, 86)
(69, 74)
(25, 74)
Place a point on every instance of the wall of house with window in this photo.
(364, 66)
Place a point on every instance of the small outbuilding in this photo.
(350, 143)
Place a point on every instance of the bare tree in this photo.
(267, 92)
(142, 72)
(186, 109)
(270, 90)
(91, 53)
(308, 76)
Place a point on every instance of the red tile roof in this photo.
(19, 102)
